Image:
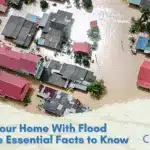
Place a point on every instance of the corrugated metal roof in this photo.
(18, 61)
(13, 86)
(81, 47)
(145, 3)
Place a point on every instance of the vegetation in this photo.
(27, 99)
(77, 4)
(141, 24)
(87, 4)
(44, 4)
(97, 89)
(94, 46)
(132, 40)
(13, 5)
(82, 59)
(94, 34)
(29, 1)
(70, 90)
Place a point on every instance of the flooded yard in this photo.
(113, 60)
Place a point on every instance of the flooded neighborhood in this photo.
(113, 61)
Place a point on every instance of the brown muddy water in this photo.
(113, 61)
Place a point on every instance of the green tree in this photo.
(145, 14)
(87, 4)
(97, 89)
(147, 27)
(94, 46)
(27, 99)
(77, 4)
(85, 61)
(94, 34)
(43, 4)
(29, 1)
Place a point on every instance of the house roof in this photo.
(20, 30)
(81, 47)
(3, 2)
(142, 42)
(61, 104)
(18, 61)
(3, 8)
(44, 20)
(145, 3)
(63, 17)
(13, 86)
(93, 24)
(33, 18)
(52, 39)
(144, 75)
(135, 2)
(56, 25)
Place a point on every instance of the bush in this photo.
(87, 4)
(94, 46)
(82, 59)
(29, 1)
(85, 61)
(77, 4)
(44, 4)
(97, 89)
(27, 99)
(94, 34)
(132, 40)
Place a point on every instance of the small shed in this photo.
(81, 47)
(93, 24)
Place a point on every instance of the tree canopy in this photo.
(97, 89)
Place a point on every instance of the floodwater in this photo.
(113, 61)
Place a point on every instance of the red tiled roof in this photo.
(81, 47)
(93, 24)
(13, 86)
(144, 75)
(18, 61)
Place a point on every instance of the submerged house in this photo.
(13, 86)
(143, 44)
(59, 103)
(20, 30)
(144, 75)
(67, 76)
(3, 6)
(56, 27)
(21, 62)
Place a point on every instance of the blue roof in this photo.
(147, 48)
(41, 41)
(142, 43)
(135, 2)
